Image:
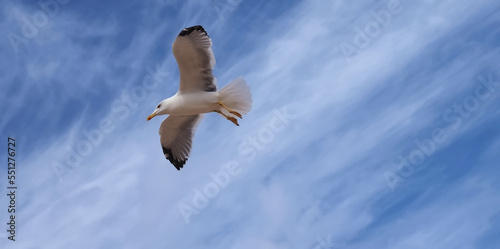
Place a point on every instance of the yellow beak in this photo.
(151, 116)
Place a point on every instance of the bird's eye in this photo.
(158, 106)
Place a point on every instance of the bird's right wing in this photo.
(176, 137)
(193, 51)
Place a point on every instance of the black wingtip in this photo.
(178, 164)
(188, 31)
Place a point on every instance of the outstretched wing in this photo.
(176, 137)
(193, 51)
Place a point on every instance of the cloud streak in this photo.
(315, 181)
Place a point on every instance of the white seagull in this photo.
(197, 95)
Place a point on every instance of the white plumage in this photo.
(197, 95)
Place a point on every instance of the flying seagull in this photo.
(197, 95)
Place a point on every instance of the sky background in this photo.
(375, 124)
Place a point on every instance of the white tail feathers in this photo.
(237, 96)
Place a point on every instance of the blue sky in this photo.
(375, 124)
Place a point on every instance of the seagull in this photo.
(197, 95)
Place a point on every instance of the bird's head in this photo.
(160, 109)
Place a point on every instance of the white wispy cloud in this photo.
(318, 177)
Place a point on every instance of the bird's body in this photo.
(192, 103)
(197, 95)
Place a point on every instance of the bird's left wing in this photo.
(176, 137)
(193, 51)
